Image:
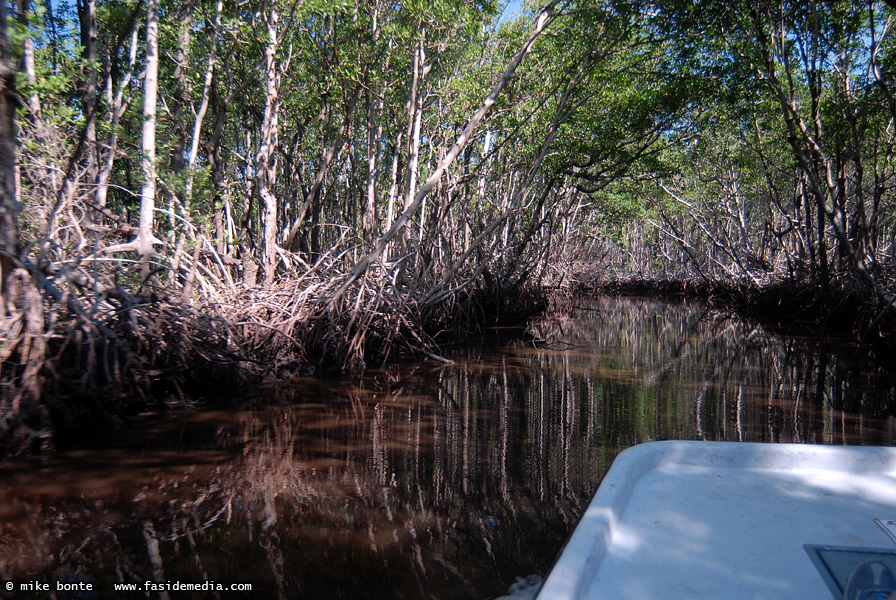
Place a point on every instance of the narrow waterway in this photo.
(420, 480)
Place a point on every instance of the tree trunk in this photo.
(266, 161)
(28, 63)
(87, 17)
(9, 205)
(414, 111)
(361, 267)
(393, 187)
(415, 118)
(203, 106)
(312, 198)
(117, 107)
(181, 95)
(22, 396)
(213, 155)
(145, 239)
(374, 156)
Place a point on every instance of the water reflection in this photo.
(421, 481)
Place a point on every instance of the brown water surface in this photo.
(420, 480)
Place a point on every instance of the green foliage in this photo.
(623, 98)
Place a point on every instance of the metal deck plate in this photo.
(835, 563)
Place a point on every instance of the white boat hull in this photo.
(724, 520)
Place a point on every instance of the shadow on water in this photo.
(421, 481)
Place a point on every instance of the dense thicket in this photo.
(787, 172)
(275, 186)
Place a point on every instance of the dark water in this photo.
(422, 480)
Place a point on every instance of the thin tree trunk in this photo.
(374, 158)
(414, 112)
(415, 118)
(393, 187)
(213, 155)
(480, 190)
(28, 63)
(361, 268)
(9, 205)
(326, 160)
(266, 161)
(87, 16)
(118, 107)
(181, 95)
(203, 106)
(145, 239)
(313, 195)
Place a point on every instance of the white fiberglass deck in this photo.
(724, 520)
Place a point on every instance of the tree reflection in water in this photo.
(423, 481)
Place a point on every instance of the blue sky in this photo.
(513, 6)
